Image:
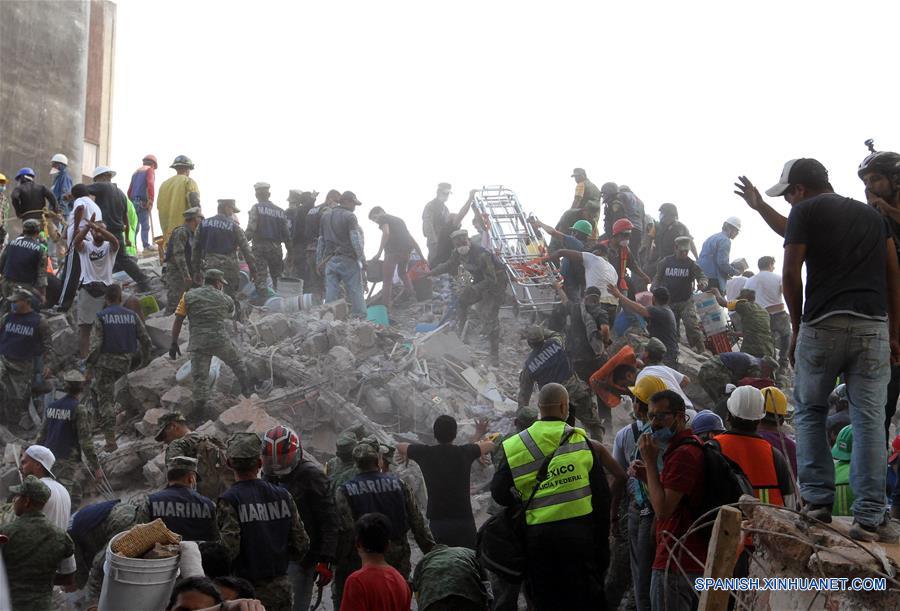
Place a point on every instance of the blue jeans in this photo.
(859, 349)
(303, 581)
(143, 215)
(344, 270)
(642, 539)
(674, 592)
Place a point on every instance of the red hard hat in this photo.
(621, 226)
(151, 158)
(280, 450)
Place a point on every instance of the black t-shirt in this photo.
(399, 240)
(662, 326)
(846, 243)
(112, 204)
(446, 468)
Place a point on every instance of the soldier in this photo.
(23, 262)
(34, 549)
(216, 243)
(207, 309)
(24, 336)
(267, 228)
(434, 217)
(91, 529)
(259, 526)
(373, 491)
(678, 273)
(213, 475)
(487, 287)
(180, 270)
(66, 430)
(342, 467)
(184, 511)
(115, 336)
(299, 205)
(731, 368)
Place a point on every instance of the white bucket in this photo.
(290, 287)
(136, 584)
(292, 305)
(184, 372)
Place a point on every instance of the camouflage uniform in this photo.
(68, 469)
(450, 578)
(686, 312)
(178, 267)
(200, 261)
(34, 551)
(213, 475)
(90, 550)
(342, 468)
(17, 375)
(267, 252)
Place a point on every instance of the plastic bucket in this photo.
(292, 305)
(134, 583)
(378, 314)
(290, 287)
(184, 372)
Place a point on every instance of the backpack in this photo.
(730, 481)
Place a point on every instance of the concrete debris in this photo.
(176, 398)
(146, 386)
(125, 466)
(159, 328)
(248, 417)
(148, 425)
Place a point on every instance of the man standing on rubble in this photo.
(23, 262)
(487, 287)
(299, 205)
(668, 230)
(179, 261)
(179, 505)
(285, 466)
(767, 286)
(434, 217)
(731, 368)
(587, 197)
(342, 467)
(340, 252)
(29, 200)
(267, 229)
(755, 322)
(259, 526)
(142, 191)
(216, 243)
(24, 336)
(397, 244)
(208, 308)
(312, 231)
(715, 254)
(116, 336)
(213, 475)
(176, 195)
(678, 273)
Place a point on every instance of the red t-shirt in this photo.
(683, 471)
(376, 588)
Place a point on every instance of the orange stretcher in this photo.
(601, 380)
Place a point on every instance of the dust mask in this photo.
(462, 250)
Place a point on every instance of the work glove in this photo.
(174, 351)
(323, 569)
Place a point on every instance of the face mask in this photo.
(463, 250)
(54, 171)
(663, 436)
(2, 188)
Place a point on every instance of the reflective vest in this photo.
(566, 493)
(185, 512)
(217, 236)
(19, 336)
(61, 436)
(271, 223)
(23, 259)
(119, 330)
(372, 492)
(756, 458)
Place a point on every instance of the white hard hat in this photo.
(747, 403)
(734, 222)
(42, 455)
(59, 158)
(102, 170)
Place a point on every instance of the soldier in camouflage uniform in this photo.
(182, 509)
(373, 491)
(35, 548)
(66, 430)
(259, 526)
(267, 229)
(213, 475)
(342, 467)
(24, 336)
(179, 264)
(91, 529)
(23, 262)
(116, 336)
(208, 308)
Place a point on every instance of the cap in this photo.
(706, 421)
(44, 456)
(365, 449)
(167, 419)
(32, 488)
(20, 294)
(655, 346)
(261, 186)
(32, 224)
(796, 171)
(215, 274)
(895, 446)
(192, 213)
(774, 400)
(535, 333)
(228, 202)
(444, 186)
(668, 208)
(349, 197)
(59, 158)
(646, 387)
(843, 445)
(151, 159)
(101, 170)
(243, 445)
(579, 172)
(734, 222)
(346, 441)
(294, 195)
(459, 233)
(609, 188)
(683, 242)
(746, 402)
(73, 375)
(185, 463)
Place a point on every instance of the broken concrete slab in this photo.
(444, 342)
(177, 398)
(160, 331)
(148, 426)
(247, 416)
(273, 328)
(146, 386)
(125, 466)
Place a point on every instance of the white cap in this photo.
(102, 169)
(261, 185)
(42, 455)
(747, 403)
(59, 158)
(734, 222)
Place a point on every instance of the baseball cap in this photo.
(32, 488)
(746, 402)
(803, 170)
(165, 420)
(349, 197)
(215, 274)
(184, 463)
(646, 387)
(191, 213)
(243, 445)
(444, 186)
(261, 185)
(843, 445)
(683, 242)
(707, 421)
(365, 449)
(579, 172)
(42, 455)
(20, 294)
(228, 202)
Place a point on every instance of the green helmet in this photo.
(583, 226)
(843, 445)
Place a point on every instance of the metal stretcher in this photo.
(514, 241)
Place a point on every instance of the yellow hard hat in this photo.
(776, 402)
(3, 179)
(646, 387)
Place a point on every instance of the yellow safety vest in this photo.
(566, 493)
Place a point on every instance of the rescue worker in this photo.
(29, 200)
(755, 323)
(62, 182)
(299, 205)
(24, 336)
(213, 475)
(623, 258)
(67, 430)
(373, 491)
(267, 229)
(397, 244)
(91, 529)
(340, 254)
(568, 513)
(487, 287)
(838, 412)
(216, 242)
(342, 467)
(311, 233)
(180, 272)
(176, 195)
(715, 254)
(34, 548)
(23, 262)
(548, 362)
(6, 211)
(116, 336)
(179, 505)
(772, 427)
(679, 273)
(207, 308)
(668, 230)
(588, 198)
(284, 465)
(434, 217)
(841, 451)
(731, 368)
(142, 191)
(259, 526)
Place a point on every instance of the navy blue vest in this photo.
(191, 515)
(549, 363)
(217, 236)
(264, 513)
(62, 436)
(119, 330)
(89, 518)
(374, 491)
(19, 337)
(23, 256)
(271, 222)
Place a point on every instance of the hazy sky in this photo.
(389, 98)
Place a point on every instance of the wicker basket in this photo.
(141, 538)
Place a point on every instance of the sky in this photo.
(389, 98)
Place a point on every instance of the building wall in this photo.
(100, 67)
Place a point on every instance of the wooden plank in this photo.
(721, 556)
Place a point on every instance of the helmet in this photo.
(843, 445)
(882, 162)
(3, 179)
(280, 450)
(837, 396)
(734, 222)
(609, 189)
(25, 172)
(584, 227)
(646, 387)
(621, 226)
(151, 158)
(776, 402)
(182, 161)
(59, 158)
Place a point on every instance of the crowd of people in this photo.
(583, 516)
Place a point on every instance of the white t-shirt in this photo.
(768, 288)
(57, 509)
(90, 207)
(733, 287)
(599, 272)
(96, 263)
(668, 375)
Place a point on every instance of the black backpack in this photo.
(725, 481)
